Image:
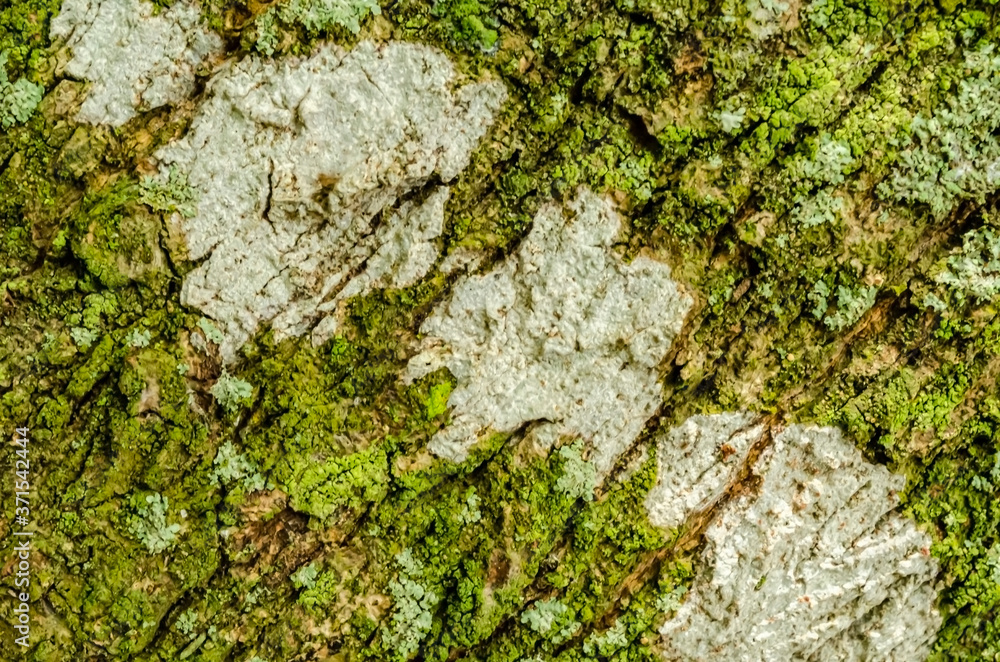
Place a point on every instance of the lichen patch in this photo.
(293, 162)
(134, 59)
(563, 332)
(696, 462)
(816, 564)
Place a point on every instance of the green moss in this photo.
(24, 28)
(437, 402)
(321, 488)
(116, 242)
(950, 494)
(748, 166)
(470, 23)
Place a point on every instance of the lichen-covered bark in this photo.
(573, 320)
(813, 565)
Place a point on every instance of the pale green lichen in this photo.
(828, 163)
(138, 338)
(822, 208)
(993, 563)
(319, 15)
(18, 100)
(83, 337)
(671, 600)
(974, 270)
(151, 527)
(852, 304)
(761, 18)
(579, 477)
(231, 392)
(934, 302)
(953, 154)
(267, 32)
(211, 331)
(543, 615)
(170, 193)
(321, 590)
(732, 120)
(551, 619)
(606, 644)
(231, 466)
(186, 622)
(305, 577)
(470, 513)
(413, 603)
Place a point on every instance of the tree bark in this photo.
(553, 299)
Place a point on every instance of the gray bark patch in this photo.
(134, 59)
(694, 465)
(817, 565)
(564, 331)
(291, 161)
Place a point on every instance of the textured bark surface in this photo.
(502, 330)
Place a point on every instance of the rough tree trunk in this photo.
(500, 330)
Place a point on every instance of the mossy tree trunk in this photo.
(821, 179)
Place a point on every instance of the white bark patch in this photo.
(563, 331)
(135, 60)
(291, 162)
(696, 461)
(817, 565)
